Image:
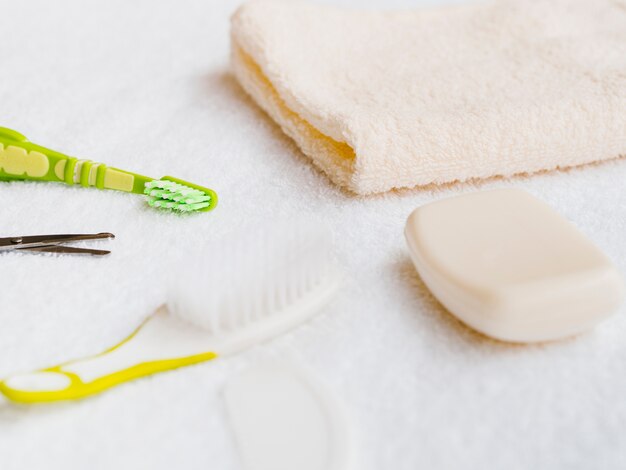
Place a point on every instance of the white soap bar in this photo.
(511, 267)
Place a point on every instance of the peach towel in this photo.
(382, 100)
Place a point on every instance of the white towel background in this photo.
(145, 86)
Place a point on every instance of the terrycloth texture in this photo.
(145, 85)
(390, 100)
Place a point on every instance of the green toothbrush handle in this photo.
(20, 159)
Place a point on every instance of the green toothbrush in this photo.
(23, 160)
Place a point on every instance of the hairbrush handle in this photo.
(150, 349)
(56, 383)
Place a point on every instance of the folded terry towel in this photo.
(382, 100)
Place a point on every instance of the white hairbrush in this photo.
(254, 288)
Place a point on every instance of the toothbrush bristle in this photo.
(170, 195)
(264, 274)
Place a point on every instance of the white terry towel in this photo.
(382, 100)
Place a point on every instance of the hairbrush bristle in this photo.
(246, 279)
(170, 195)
